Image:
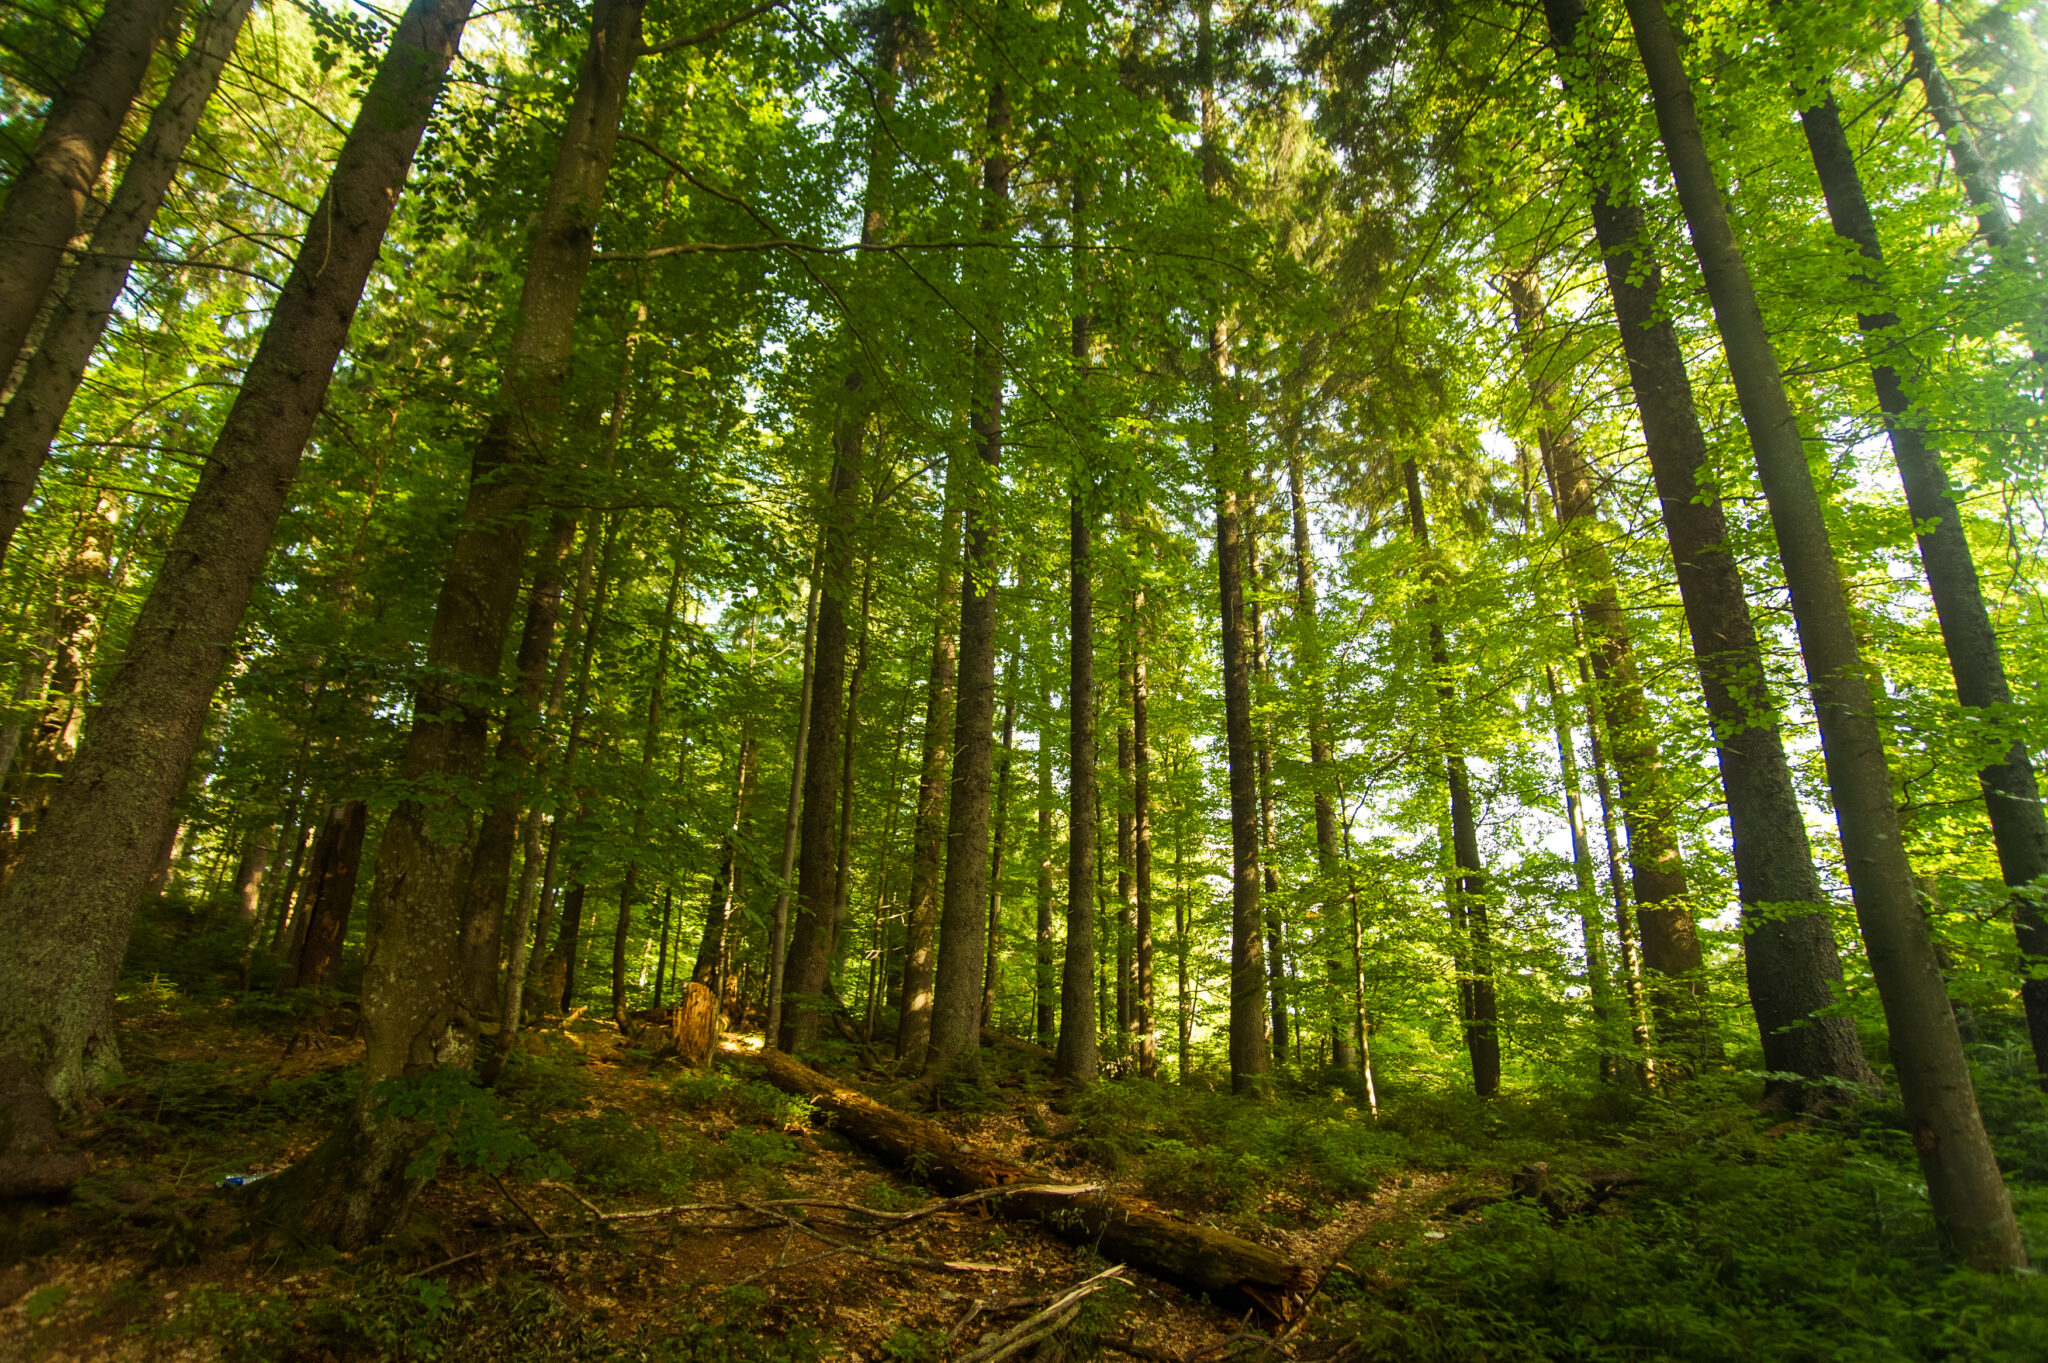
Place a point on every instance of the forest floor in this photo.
(1722, 1232)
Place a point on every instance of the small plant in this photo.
(45, 1302)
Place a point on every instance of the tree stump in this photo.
(694, 1030)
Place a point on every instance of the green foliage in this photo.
(45, 1302)
(380, 1316)
(1749, 1240)
(468, 1124)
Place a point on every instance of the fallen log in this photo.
(1199, 1258)
(991, 1037)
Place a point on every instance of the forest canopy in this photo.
(1238, 567)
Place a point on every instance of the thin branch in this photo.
(706, 35)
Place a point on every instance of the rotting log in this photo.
(695, 1026)
(1017, 1045)
(1199, 1258)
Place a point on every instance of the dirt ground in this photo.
(149, 1261)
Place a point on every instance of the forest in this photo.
(967, 680)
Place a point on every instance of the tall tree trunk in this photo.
(357, 1186)
(711, 946)
(1599, 983)
(65, 917)
(2012, 797)
(1045, 989)
(1793, 969)
(1308, 658)
(1141, 810)
(991, 973)
(1076, 1058)
(842, 874)
(1276, 929)
(58, 363)
(43, 206)
(489, 880)
(956, 995)
(928, 833)
(1126, 879)
(668, 904)
(778, 919)
(1250, 1059)
(330, 896)
(1184, 1011)
(1963, 1180)
(650, 742)
(1476, 991)
(1671, 945)
(250, 872)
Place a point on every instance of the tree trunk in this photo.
(1203, 1260)
(1476, 998)
(1141, 809)
(1077, 1052)
(842, 875)
(1969, 1196)
(778, 921)
(43, 206)
(1308, 655)
(668, 904)
(1276, 930)
(956, 995)
(711, 946)
(330, 896)
(58, 364)
(1599, 984)
(1671, 945)
(1126, 856)
(2012, 797)
(250, 872)
(650, 742)
(992, 972)
(68, 910)
(490, 868)
(928, 836)
(1045, 987)
(1794, 971)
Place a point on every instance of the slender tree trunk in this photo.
(1126, 856)
(650, 743)
(668, 904)
(928, 835)
(1308, 654)
(250, 873)
(1184, 1010)
(711, 946)
(490, 868)
(991, 975)
(1480, 1012)
(1045, 987)
(1276, 929)
(2012, 797)
(1794, 971)
(1964, 1184)
(330, 896)
(43, 206)
(1141, 809)
(58, 363)
(778, 922)
(1076, 1057)
(956, 996)
(1617, 882)
(65, 917)
(1671, 945)
(1599, 984)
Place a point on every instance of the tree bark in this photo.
(650, 742)
(1793, 969)
(1141, 808)
(1126, 870)
(956, 996)
(1969, 1196)
(1077, 1052)
(1671, 945)
(1276, 929)
(1201, 1259)
(330, 896)
(1477, 1005)
(992, 973)
(59, 361)
(2012, 796)
(928, 835)
(43, 206)
(68, 910)
(711, 946)
(1599, 984)
(1045, 987)
(490, 869)
(778, 920)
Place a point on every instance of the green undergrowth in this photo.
(374, 1314)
